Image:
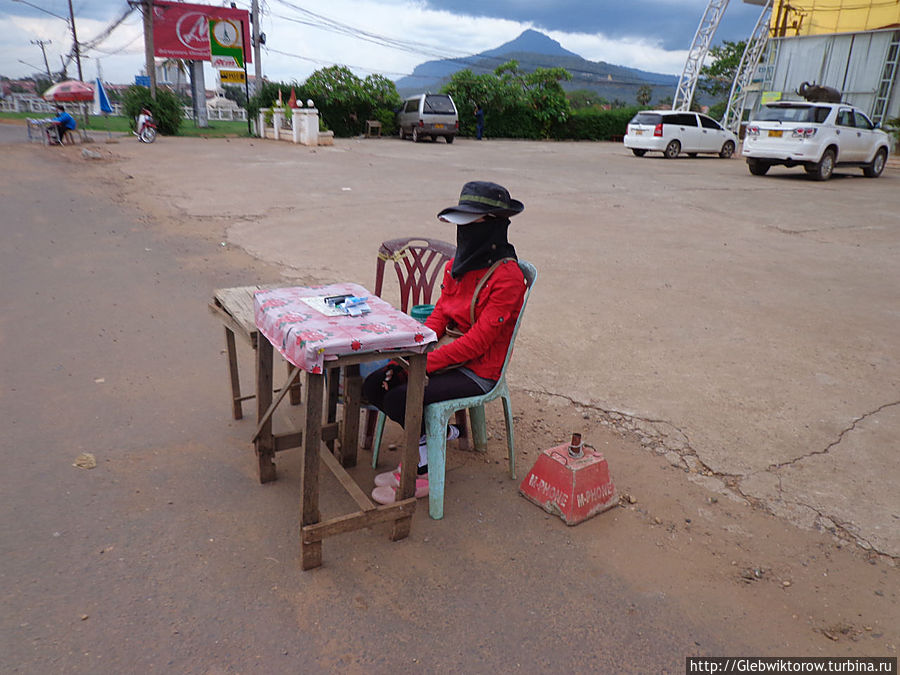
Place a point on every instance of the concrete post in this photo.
(309, 126)
(296, 123)
(261, 122)
(277, 116)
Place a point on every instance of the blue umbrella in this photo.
(101, 101)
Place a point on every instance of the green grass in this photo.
(216, 129)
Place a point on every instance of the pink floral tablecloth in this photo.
(307, 338)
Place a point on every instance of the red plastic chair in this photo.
(419, 263)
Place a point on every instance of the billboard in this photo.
(181, 30)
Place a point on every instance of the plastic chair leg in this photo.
(510, 442)
(436, 419)
(479, 427)
(376, 444)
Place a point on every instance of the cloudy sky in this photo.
(382, 36)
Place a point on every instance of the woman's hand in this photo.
(394, 374)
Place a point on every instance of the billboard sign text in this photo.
(181, 30)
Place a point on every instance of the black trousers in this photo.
(441, 387)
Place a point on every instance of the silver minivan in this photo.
(430, 115)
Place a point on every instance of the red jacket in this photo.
(483, 347)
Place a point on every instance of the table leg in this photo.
(415, 396)
(265, 442)
(311, 553)
(295, 391)
(350, 426)
(334, 382)
(236, 410)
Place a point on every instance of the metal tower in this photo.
(744, 75)
(684, 94)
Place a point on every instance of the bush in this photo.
(166, 109)
(343, 100)
(892, 126)
(591, 124)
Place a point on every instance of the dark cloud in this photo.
(673, 24)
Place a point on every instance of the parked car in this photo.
(816, 136)
(672, 132)
(428, 115)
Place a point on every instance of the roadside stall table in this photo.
(43, 129)
(234, 308)
(297, 323)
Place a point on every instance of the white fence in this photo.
(36, 105)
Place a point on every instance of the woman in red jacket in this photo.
(471, 364)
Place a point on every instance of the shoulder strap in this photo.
(481, 283)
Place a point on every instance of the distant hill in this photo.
(535, 50)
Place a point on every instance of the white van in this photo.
(429, 115)
(672, 132)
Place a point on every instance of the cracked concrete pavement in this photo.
(746, 328)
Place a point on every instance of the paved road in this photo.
(747, 324)
(168, 557)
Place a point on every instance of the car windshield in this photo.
(439, 105)
(793, 113)
(647, 118)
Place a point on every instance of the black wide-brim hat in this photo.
(479, 199)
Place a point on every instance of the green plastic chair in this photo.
(437, 417)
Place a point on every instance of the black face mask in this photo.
(480, 245)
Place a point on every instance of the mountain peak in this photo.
(534, 42)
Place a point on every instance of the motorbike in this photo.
(145, 127)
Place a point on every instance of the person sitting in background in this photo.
(484, 269)
(62, 123)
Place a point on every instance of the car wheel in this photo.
(757, 167)
(449, 139)
(825, 167)
(415, 135)
(876, 166)
(672, 150)
(638, 152)
(727, 150)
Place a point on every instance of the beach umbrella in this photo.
(101, 100)
(68, 91)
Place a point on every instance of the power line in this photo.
(108, 30)
(322, 22)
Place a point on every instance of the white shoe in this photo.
(388, 478)
(452, 434)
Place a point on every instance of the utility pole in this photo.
(257, 65)
(150, 63)
(41, 43)
(75, 38)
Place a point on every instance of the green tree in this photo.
(41, 84)
(546, 96)
(345, 101)
(166, 109)
(516, 103)
(644, 94)
(267, 95)
(235, 93)
(717, 77)
(585, 98)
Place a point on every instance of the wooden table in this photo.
(316, 346)
(373, 128)
(234, 308)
